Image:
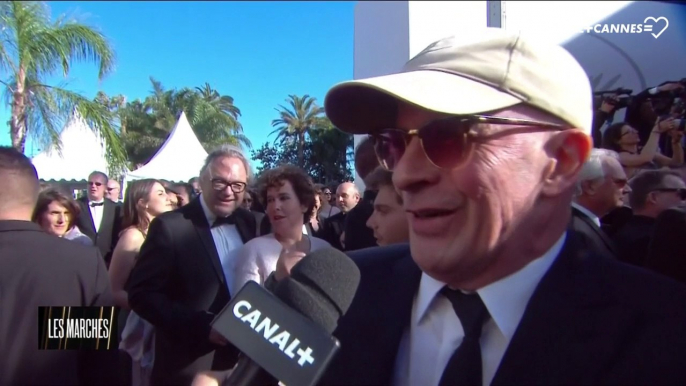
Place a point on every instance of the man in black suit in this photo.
(180, 280)
(653, 191)
(486, 135)
(601, 187)
(332, 230)
(357, 234)
(667, 250)
(38, 269)
(100, 217)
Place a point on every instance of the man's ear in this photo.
(568, 151)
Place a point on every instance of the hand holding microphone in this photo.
(288, 258)
(286, 336)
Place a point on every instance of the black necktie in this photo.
(224, 220)
(464, 366)
(94, 204)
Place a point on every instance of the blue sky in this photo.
(256, 52)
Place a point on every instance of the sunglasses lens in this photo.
(389, 147)
(444, 142)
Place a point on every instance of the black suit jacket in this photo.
(38, 269)
(178, 285)
(594, 238)
(106, 239)
(632, 239)
(357, 234)
(332, 228)
(667, 250)
(591, 320)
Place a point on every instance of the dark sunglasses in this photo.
(90, 183)
(448, 142)
(681, 192)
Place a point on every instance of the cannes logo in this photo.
(649, 27)
(631, 28)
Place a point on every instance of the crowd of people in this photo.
(496, 245)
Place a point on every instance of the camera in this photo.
(606, 96)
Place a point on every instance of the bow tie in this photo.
(94, 204)
(224, 221)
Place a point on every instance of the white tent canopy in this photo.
(179, 159)
(83, 152)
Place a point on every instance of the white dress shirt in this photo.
(96, 213)
(435, 331)
(227, 240)
(588, 213)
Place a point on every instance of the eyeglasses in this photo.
(90, 183)
(681, 192)
(448, 142)
(327, 193)
(620, 182)
(219, 185)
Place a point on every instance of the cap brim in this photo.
(364, 106)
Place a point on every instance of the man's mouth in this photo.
(432, 213)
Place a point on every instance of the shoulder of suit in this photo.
(387, 256)
(57, 247)
(642, 289)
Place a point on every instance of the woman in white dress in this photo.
(288, 193)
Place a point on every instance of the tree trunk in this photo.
(301, 146)
(18, 119)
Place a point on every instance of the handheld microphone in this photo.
(287, 335)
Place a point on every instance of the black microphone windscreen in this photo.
(321, 286)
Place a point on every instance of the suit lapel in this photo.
(202, 227)
(603, 236)
(87, 216)
(246, 231)
(395, 312)
(565, 322)
(107, 217)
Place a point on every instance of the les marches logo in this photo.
(77, 328)
(650, 24)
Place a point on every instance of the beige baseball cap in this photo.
(487, 71)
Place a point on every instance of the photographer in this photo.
(648, 105)
(624, 139)
(601, 115)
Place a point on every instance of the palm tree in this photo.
(33, 48)
(296, 122)
(213, 117)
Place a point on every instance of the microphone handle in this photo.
(249, 373)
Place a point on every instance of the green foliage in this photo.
(32, 49)
(327, 153)
(295, 122)
(145, 125)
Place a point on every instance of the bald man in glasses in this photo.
(486, 135)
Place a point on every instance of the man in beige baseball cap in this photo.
(486, 135)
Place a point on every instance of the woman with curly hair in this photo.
(289, 195)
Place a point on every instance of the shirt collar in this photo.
(587, 212)
(209, 215)
(505, 299)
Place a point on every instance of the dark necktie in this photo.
(464, 366)
(94, 204)
(224, 220)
